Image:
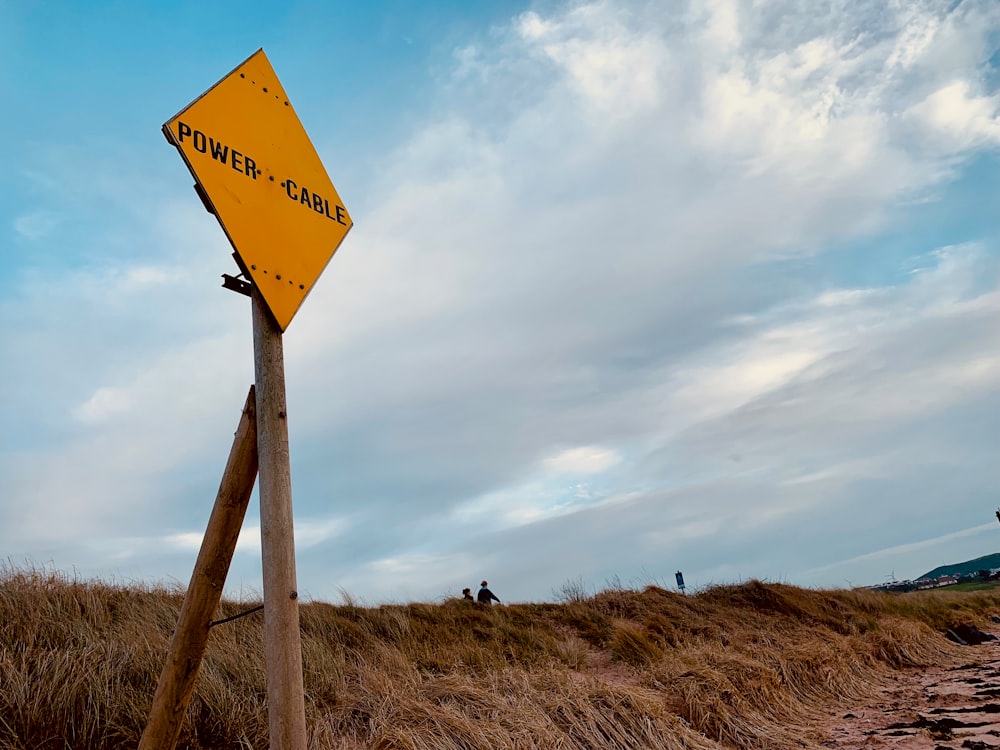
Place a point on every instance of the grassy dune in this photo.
(751, 666)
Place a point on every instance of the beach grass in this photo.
(752, 665)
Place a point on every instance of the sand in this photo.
(954, 706)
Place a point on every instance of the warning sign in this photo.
(262, 178)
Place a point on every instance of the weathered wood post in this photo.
(177, 680)
(282, 642)
(258, 173)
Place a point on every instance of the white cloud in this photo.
(583, 460)
(924, 543)
(140, 277)
(36, 225)
(513, 506)
(105, 403)
(614, 235)
(962, 119)
(532, 27)
(722, 26)
(188, 540)
(915, 38)
(901, 550)
(611, 66)
(310, 532)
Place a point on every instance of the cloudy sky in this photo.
(633, 287)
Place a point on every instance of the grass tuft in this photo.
(753, 665)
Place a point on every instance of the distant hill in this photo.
(987, 562)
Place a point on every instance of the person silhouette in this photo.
(467, 595)
(485, 596)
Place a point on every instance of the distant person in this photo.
(467, 595)
(485, 596)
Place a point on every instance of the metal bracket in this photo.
(239, 283)
(236, 284)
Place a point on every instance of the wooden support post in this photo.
(282, 642)
(173, 691)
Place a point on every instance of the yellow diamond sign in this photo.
(260, 175)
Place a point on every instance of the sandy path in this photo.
(952, 707)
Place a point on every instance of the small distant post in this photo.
(680, 580)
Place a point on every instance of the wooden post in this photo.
(176, 683)
(282, 642)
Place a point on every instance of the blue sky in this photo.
(629, 291)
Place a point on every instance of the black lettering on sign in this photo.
(219, 152)
(338, 210)
(315, 201)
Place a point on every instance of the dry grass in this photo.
(749, 666)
